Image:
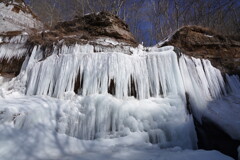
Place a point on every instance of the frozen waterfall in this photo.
(150, 74)
(145, 74)
(91, 93)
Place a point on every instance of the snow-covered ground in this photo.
(41, 127)
(38, 144)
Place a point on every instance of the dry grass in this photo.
(200, 42)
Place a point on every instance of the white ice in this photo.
(13, 47)
(162, 121)
(38, 127)
(39, 144)
(55, 122)
(151, 73)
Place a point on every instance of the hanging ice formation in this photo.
(13, 47)
(160, 78)
(154, 73)
(151, 74)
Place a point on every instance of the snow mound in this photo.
(39, 144)
(40, 127)
(161, 121)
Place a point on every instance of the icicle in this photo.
(152, 74)
(157, 73)
(202, 82)
(233, 83)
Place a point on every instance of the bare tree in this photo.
(149, 20)
(46, 10)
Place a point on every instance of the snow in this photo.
(12, 21)
(155, 72)
(33, 128)
(38, 144)
(233, 82)
(144, 117)
(107, 41)
(163, 121)
(210, 36)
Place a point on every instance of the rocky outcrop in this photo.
(94, 25)
(223, 52)
(87, 28)
(103, 31)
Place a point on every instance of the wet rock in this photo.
(11, 68)
(212, 137)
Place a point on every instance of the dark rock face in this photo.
(223, 52)
(212, 137)
(11, 68)
(87, 28)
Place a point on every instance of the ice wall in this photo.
(144, 74)
(164, 83)
(147, 75)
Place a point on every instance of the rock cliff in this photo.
(196, 41)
